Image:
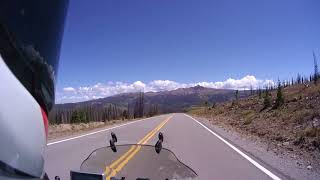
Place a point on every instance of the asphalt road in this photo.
(193, 143)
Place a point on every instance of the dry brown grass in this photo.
(291, 122)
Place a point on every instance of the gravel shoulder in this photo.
(290, 164)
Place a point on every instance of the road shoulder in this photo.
(66, 131)
(282, 164)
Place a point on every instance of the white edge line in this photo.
(103, 130)
(270, 174)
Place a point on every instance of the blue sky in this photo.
(113, 43)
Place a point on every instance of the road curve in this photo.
(195, 144)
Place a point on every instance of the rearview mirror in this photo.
(114, 137)
(158, 145)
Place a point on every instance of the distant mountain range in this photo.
(167, 101)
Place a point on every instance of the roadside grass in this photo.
(196, 110)
(290, 122)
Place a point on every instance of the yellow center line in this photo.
(132, 151)
(142, 141)
(124, 162)
(107, 170)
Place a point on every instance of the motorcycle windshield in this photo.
(136, 161)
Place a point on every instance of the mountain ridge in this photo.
(181, 98)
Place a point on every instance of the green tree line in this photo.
(95, 112)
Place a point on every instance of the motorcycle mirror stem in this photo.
(112, 142)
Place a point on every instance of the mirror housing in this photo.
(114, 137)
(158, 145)
(160, 136)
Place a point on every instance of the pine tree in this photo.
(125, 114)
(260, 93)
(206, 103)
(316, 73)
(267, 99)
(213, 105)
(141, 104)
(299, 79)
(251, 90)
(136, 110)
(280, 98)
(237, 95)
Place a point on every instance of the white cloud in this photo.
(110, 88)
(164, 85)
(68, 89)
(245, 83)
(138, 85)
(97, 97)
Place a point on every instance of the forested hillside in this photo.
(135, 105)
